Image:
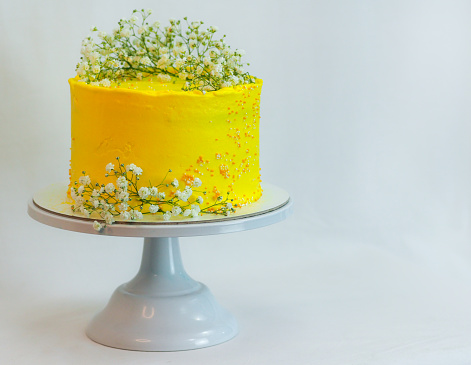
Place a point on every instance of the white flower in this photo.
(179, 63)
(85, 212)
(80, 189)
(187, 212)
(162, 195)
(163, 61)
(153, 208)
(122, 196)
(195, 208)
(144, 192)
(164, 78)
(125, 33)
(106, 82)
(130, 167)
(194, 213)
(176, 210)
(95, 203)
(95, 192)
(197, 182)
(85, 180)
(123, 206)
(199, 200)
(137, 171)
(101, 34)
(167, 216)
(109, 167)
(79, 201)
(109, 188)
(175, 183)
(145, 60)
(136, 214)
(156, 24)
(109, 219)
(96, 69)
(153, 191)
(142, 29)
(121, 182)
(98, 226)
(133, 19)
(93, 57)
(125, 215)
(229, 205)
(186, 193)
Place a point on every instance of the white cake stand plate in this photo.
(162, 308)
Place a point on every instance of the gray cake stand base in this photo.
(162, 308)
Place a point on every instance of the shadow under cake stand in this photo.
(162, 308)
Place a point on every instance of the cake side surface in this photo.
(211, 136)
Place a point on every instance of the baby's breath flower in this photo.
(197, 182)
(109, 167)
(153, 191)
(110, 188)
(125, 215)
(123, 206)
(167, 216)
(109, 219)
(85, 180)
(137, 171)
(176, 210)
(98, 226)
(196, 208)
(199, 200)
(137, 215)
(80, 189)
(153, 208)
(144, 192)
(175, 183)
(164, 78)
(121, 182)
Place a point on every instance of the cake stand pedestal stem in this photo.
(161, 272)
(162, 308)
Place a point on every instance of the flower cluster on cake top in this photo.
(138, 48)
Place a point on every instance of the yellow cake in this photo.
(213, 136)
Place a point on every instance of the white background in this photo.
(365, 121)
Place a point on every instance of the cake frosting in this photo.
(212, 136)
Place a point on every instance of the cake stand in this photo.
(162, 308)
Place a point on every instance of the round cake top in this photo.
(153, 85)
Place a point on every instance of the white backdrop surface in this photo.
(365, 121)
